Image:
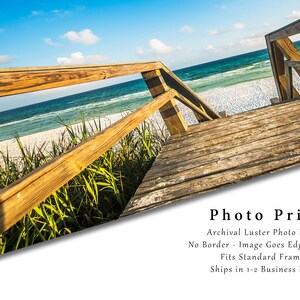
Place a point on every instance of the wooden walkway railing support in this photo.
(20, 197)
(289, 64)
(283, 52)
(174, 82)
(170, 112)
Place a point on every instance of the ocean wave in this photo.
(261, 67)
(15, 122)
(85, 107)
(99, 104)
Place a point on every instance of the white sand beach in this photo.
(234, 99)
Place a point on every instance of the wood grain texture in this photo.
(289, 64)
(286, 31)
(288, 48)
(272, 54)
(169, 111)
(280, 47)
(255, 143)
(199, 112)
(232, 124)
(23, 80)
(174, 82)
(293, 63)
(280, 71)
(19, 198)
(284, 84)
(289, 80)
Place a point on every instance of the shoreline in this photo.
(37, 139)
(234, 99)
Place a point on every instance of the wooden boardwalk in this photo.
(221, 152)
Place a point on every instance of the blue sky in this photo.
(179, 33)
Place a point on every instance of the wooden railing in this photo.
(284, 55)
(22, 196)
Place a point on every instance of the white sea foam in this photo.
(15, 122)
(263, 67)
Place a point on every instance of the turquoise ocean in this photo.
(129, 95)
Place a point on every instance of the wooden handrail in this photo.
(288, 48)
(20, 197)
(283, 32)
(15, 81)
(23, 80)
(281, 48)
(192, 106)
(174, 82)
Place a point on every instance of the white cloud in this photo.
(139, 51)
(36, 13)
(214, 32)
(217, 31)
(57, 12)
(61, 13)
(86, 37)
(253, 42)
(212, 48)
(239, 26)
(187, 29)
(49, 41)
(295, 15)
(77, 58)
(158, 47)
(221, 6)
(4, 59)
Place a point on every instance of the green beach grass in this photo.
(97, 195)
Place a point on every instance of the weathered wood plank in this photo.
(288, 48)
(289, 64)
(289, 81)
(214, 155)
(280, 71)
(203, 185)
(169, 111)
(222, 141)
(286, 31)
(280, 46)
(23, 80)
(20, 197)
(293, 63)
(289, 147)
(284, 85)
(271, 50)
(233, 124)
(197, 110)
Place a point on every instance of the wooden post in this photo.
(270, 46)
(289, 80)
(279, 65)
(175, 83)
(170, 112)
